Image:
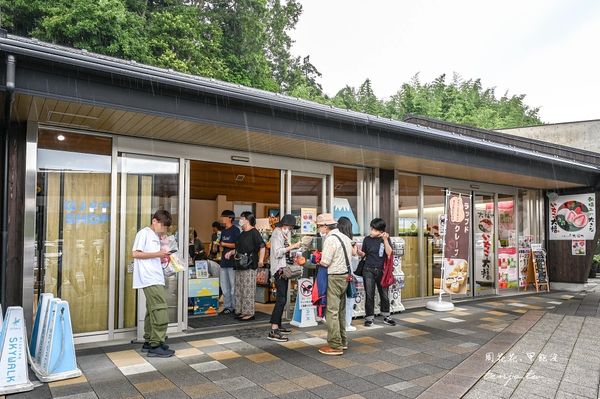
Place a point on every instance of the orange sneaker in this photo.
(327, 350)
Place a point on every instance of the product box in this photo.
(202, 287)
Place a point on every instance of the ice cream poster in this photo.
(573, 217)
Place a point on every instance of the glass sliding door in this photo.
(433, 207)
(484, 233)
(508, 271)
(146, 184)
(409, 228)
(73, 225)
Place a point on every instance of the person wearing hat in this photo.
(337, 249)
(280, 247)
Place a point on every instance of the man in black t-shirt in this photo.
(375, 248)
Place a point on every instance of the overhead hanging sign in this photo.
(573, 217)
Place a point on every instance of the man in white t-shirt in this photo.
(148, 275)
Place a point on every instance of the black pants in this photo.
(281, 285)
(372, 278)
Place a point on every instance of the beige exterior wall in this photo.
(581, 135)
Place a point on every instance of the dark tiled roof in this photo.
(544, 147)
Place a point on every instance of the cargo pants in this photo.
(157, 315)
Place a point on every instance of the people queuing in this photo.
(229, 237)
(345, 227)
(375, 248)
(249, 255)
(337, 249)
(280, 248)
(242, 253)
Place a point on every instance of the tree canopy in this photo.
(246, 42)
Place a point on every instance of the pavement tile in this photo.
(208, 366)
(201, 390)
(331, 391)
(367, 340)
(310, 381)
(383, 366)
(340, 362)
(254, 392)
(262, 357)
(232, 384)
(282, 387)
(223, 355)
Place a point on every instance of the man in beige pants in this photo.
(333, 258)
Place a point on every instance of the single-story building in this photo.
(93, 145)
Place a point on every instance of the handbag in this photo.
(360, 267)
(243, 261)
(388, 279)
(292, 271)
(351, 290)
(262, 276)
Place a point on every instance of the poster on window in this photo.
(457, 239)
(484, 231)
(573, 217)
(308, 224)
(578, 247)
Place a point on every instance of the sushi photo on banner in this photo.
(456, 240)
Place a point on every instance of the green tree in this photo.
(102, 26)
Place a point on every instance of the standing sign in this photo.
(456, 244)
(573, 217)
(304, 311)
(53, 355)
(14, 374)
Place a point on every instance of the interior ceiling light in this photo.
(60, 137)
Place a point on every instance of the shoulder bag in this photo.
(351, 290)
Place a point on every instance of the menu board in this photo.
(540, 270)
(308, 219)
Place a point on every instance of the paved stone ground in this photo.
(428, 355)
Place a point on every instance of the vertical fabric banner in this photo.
(456, 240)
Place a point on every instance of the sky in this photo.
(548, 50)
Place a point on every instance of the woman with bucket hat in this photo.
(280, 247)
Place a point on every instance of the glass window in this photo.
(408, 229)
(483, 244)
(347, 200)
(508, 275)
(433, 208)
(147, 184)
(73, 224)
(307, 192)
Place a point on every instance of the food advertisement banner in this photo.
(457, 239)
(573, 217)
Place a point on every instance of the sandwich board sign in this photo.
(304, 310)
(14, 374)
(40, 320)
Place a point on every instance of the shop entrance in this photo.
(214, 188)
(494, 246)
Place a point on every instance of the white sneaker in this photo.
(350, 328)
